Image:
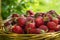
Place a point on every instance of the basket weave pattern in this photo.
(47, 36)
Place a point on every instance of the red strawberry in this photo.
(49, 16)
(36, 31)
(58, 17)
(17, 29)
(15, 15)
(29, 26)
(56, 21)
(52, 12)
(57, 28)
(39, 21)
(21, 21)
(7, 23)
(30, 12)
(41, 14)
(59, 21)
(29, 18)
(43, 27)
(51, 25)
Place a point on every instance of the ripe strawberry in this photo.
(39, 14)
(14, 18)
(59, 21)
(52, 12)
(51, 25)
(7, 23)
(30, 18)
(17, 29)
(15, 15)
(49, 16)
(43, 27)
(56, 21)
(30, 12)
(36, 31)
(58, 17)
(57, 28)
(21, 21)
(30, 25)
(39, 21)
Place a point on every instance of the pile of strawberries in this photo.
(33, 23)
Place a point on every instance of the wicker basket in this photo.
(47, 36)
(13, 36)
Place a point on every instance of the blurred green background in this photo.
(21, 6)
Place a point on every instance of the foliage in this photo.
(21, 6)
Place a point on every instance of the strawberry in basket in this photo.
(17, 29)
